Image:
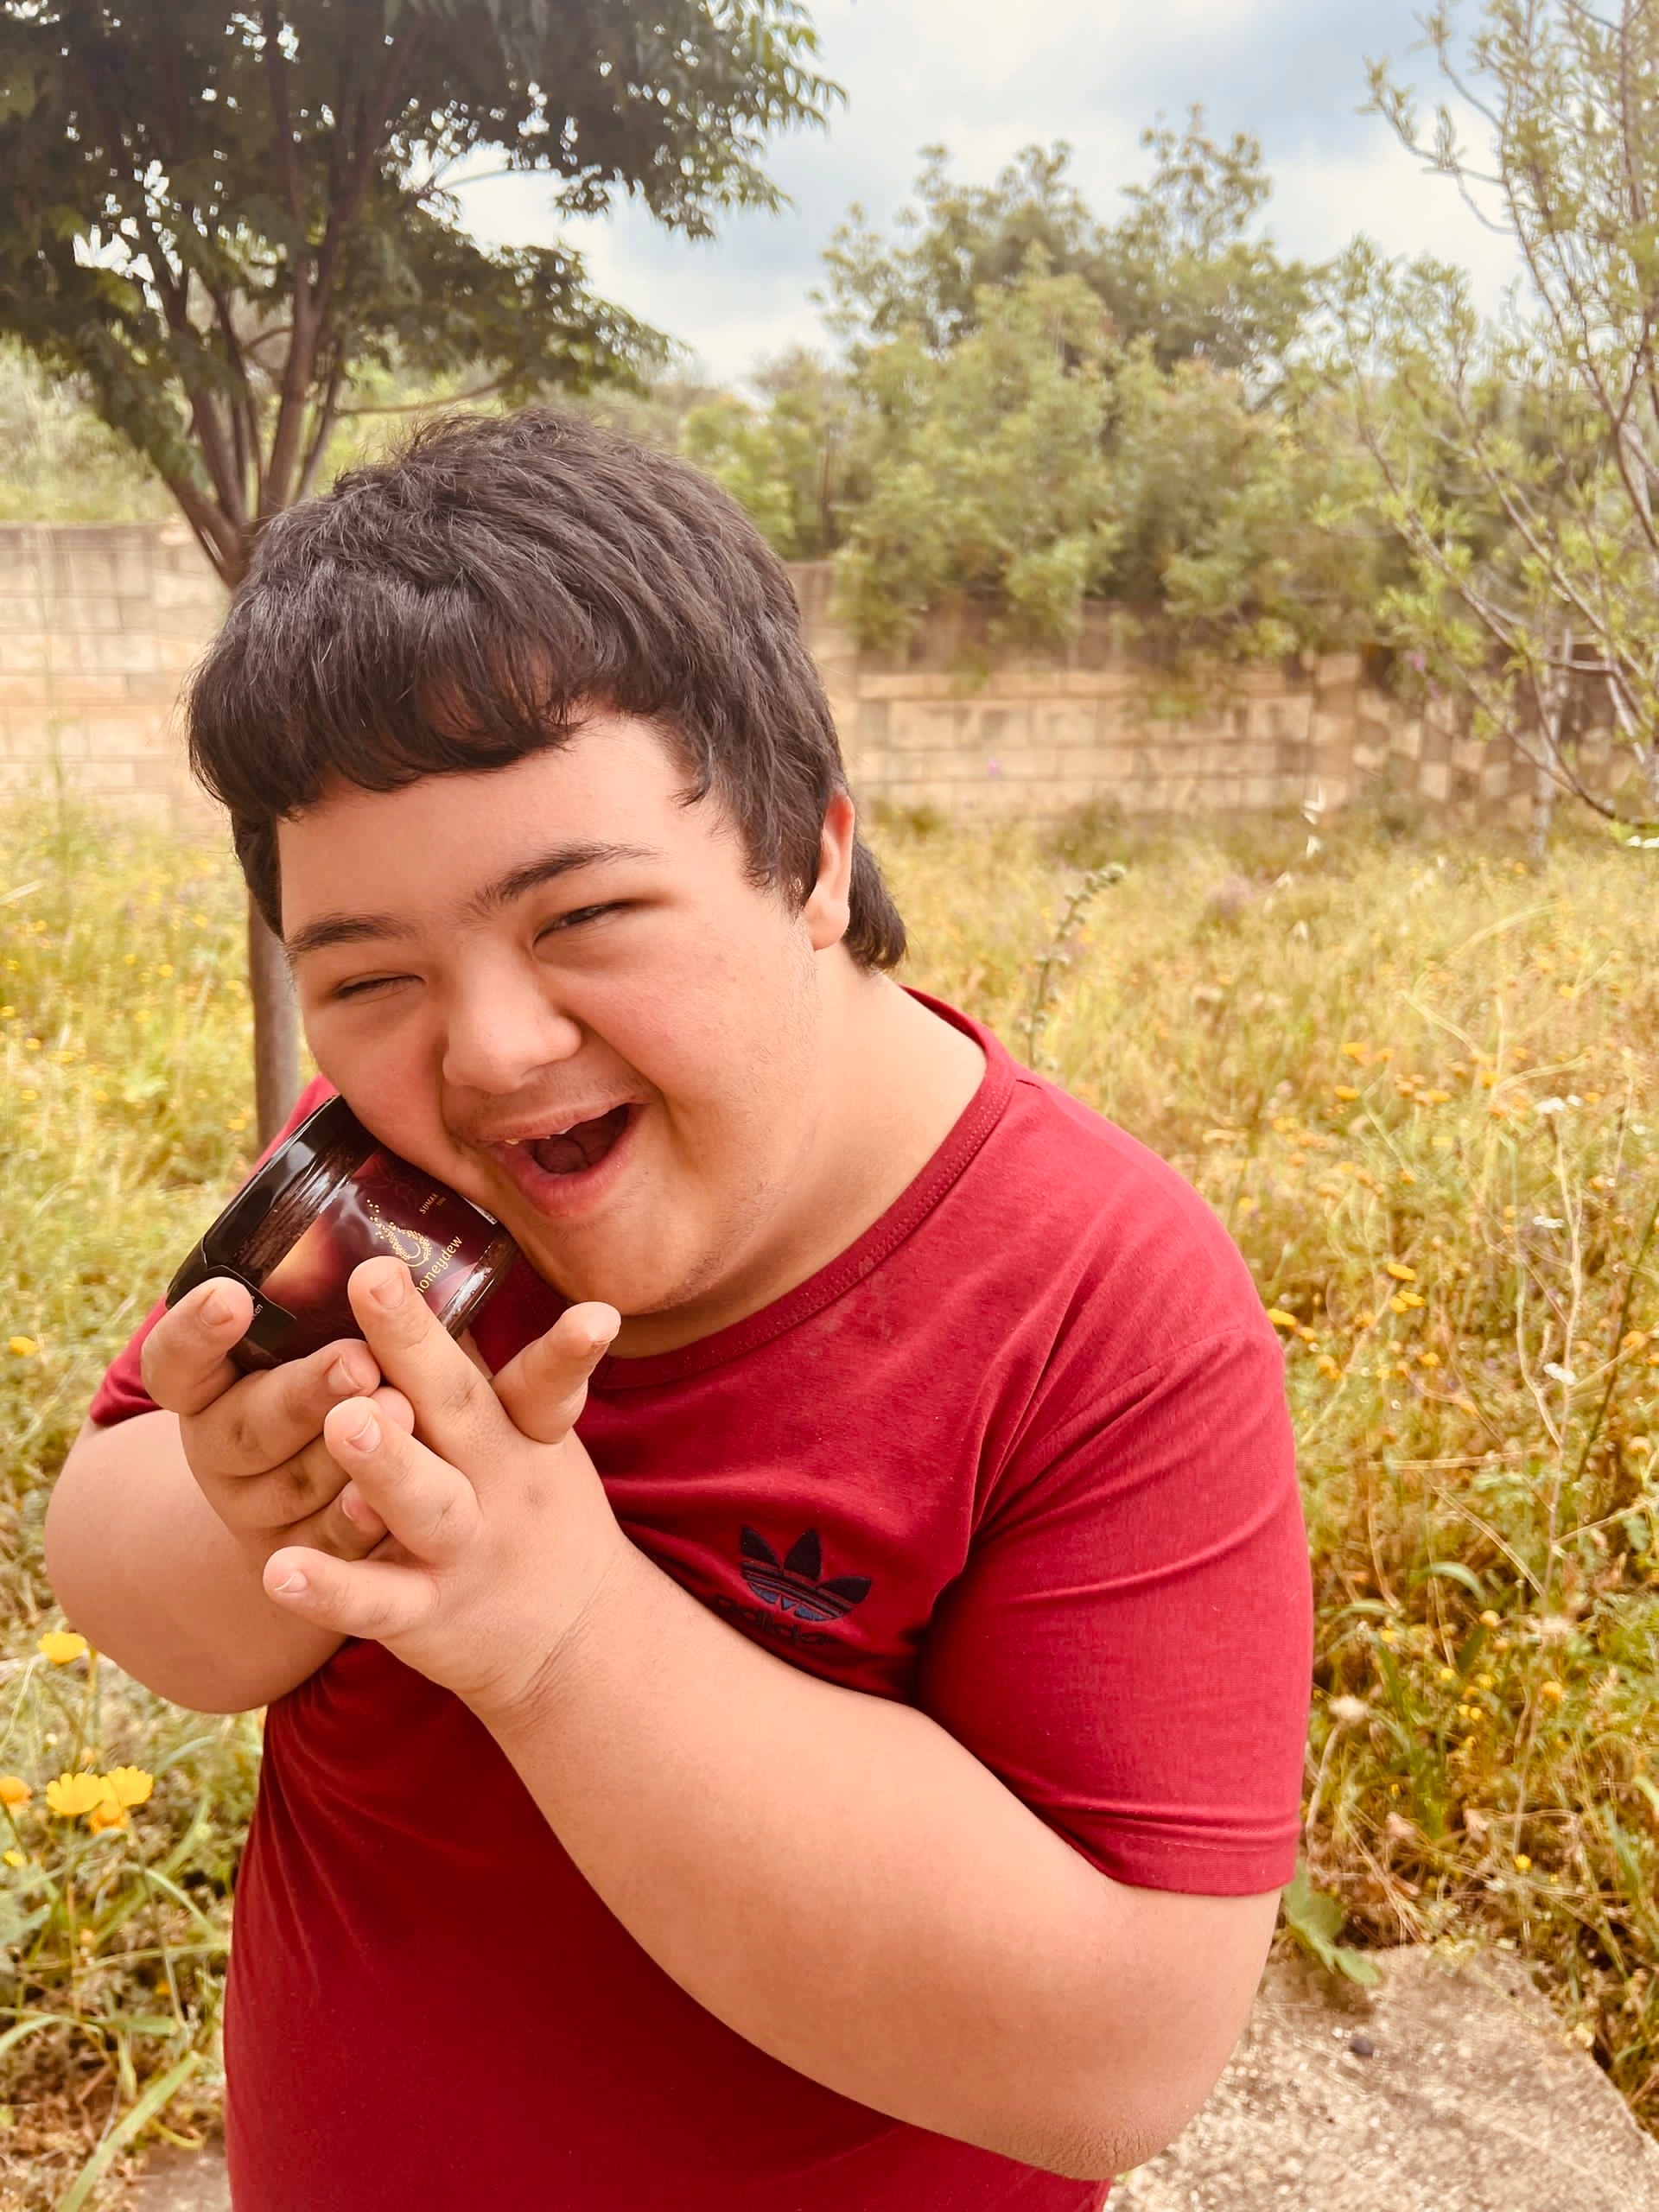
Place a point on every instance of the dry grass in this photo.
(1415, 1080)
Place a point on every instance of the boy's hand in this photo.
(500, 1531)
(254, 1442)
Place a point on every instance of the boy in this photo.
(823, 1726)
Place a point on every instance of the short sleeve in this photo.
(122, 1393)
(1129, 1645)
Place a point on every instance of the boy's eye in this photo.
(580, 914)
(368, 983)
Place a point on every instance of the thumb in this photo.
(545, 1388)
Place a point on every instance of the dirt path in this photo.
(1450, 2089)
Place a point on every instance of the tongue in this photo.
(585, 1146)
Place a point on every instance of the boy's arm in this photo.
(145, 1569)
(840, 1882)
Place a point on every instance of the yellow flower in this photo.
(1355, 1052)
(14, 1790)
(1400, 1272)
(1553, 1691)
(1279, 1318)
(131, 1785)
(1345, 1090)
(14, 1858)
(22, 1347)
(60, 1645)
(1522, 1864)
(1489, 1619)
(71, 1794)
(107, 1815)
(1328, 1366)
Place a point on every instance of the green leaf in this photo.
(1455, 1570)
(1315, 1921)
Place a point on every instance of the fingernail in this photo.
(294, 1586)
(215, 1308)
(341, 1378)
(388, 1290)
(366, 1435)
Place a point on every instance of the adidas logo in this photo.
(794, 1584)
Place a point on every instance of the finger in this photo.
(545, 1387)
(264, 1421)
(429, 1506)
(184, 1360)
(456, 1411)
(296, 1497)
(370, 1598)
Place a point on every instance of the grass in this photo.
(1412, 1076)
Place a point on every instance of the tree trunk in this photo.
(276, 1028)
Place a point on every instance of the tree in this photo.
(987, 470)
(1518, 459)
(1186, 269)
(219, 219)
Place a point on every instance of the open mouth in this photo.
(581, 1146)
(569, 1170)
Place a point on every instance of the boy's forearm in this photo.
(147, 1571)
(840, 1881)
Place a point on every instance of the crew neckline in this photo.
(837, 1276)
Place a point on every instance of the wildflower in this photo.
(1397, 1304)
(1553, 1691)
(1522, 1864)
(1437, 1099)
(130, 1785)
(1345, 1090)
(71, 1794)
(1400, 1272)
(14, 1858)
(22, 1347)
(1328, 1367)
(1489, 1619)
(1355, 1052)
(106, 1814)
(60, 1645)
(1279, 1318)
(1448, 1673)
(14, 1791)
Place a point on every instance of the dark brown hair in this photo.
(468, 601)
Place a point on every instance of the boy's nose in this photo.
(500, 1038)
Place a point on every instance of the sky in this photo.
(985, 78)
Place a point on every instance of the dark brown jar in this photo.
(328, 1198)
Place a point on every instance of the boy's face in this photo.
(553, 986)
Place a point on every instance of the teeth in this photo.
(565, 1127)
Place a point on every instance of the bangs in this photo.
(364, 675)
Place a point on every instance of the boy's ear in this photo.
(829, 904)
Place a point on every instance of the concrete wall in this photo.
(99, 625)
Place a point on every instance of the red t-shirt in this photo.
(1020, 1456)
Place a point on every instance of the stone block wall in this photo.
(100, 625)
